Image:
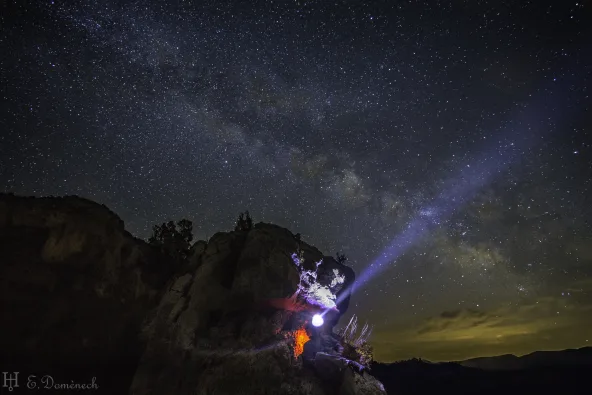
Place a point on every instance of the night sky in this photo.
(446, 146)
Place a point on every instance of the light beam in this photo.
(514, 142)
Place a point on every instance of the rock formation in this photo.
(83, 295)
(76, 288)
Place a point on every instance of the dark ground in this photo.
(414, 377)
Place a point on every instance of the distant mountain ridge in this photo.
(580, 356)
(542, 372)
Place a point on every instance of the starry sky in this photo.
(443, 146)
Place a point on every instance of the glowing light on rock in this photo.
(317, 320)
(312, 291)
(300, 339)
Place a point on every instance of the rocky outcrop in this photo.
(85, 298)
(344, 377)
(210, 322)
(76, 288)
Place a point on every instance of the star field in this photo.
(465, 124)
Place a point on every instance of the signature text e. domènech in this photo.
(48, 382)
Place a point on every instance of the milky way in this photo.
(344, 122)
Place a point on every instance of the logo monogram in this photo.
(10, 380)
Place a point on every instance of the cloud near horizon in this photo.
(553, 322)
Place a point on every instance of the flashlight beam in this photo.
(530, 124)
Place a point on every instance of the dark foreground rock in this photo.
(76, 288)
(420, 377)
(209, 334)
(345, 377)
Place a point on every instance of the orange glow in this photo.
(300, 339)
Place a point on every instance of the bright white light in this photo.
(317, 320)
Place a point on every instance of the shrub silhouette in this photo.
(244, 222)
(173, 239)
(355, 345)
(340, 258)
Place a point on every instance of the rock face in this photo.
(208, 322)
(338, 375)
(85, 297)
(76, 288)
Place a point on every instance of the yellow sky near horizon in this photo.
(549, 323)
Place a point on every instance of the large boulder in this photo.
(344, 377)
(210, 335)
(211, 321)
(76, 288)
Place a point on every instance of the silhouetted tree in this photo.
(186, 230)
(172, 241)
(249, 220)
(340, 258)
(240, 222)
(244, 222)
